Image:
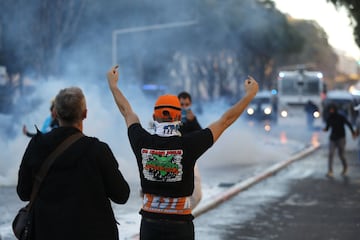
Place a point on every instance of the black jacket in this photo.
(74, 198)
(337, 123)
(190, 126)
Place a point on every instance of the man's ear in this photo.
(84, 114)
(53, 113)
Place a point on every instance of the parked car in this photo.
(263, 107)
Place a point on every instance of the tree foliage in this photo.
(255, 30)
(35, 32)
(353, 7)
(316, 51)
(39, 35)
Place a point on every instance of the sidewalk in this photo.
(313, 207)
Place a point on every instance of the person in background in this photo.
(74, 199)
(188, 118)
(166, 159)
(337, 139)
(190, 124)
(49, 123)
(310, 108)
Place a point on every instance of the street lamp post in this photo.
(117, 32)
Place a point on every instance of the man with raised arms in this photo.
(166, 159)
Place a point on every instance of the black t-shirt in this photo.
(189, 126)
(337, 124)
(166, 164)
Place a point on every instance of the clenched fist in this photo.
(113, 76)
(251, 86)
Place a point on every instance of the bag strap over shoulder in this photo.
(49, 161)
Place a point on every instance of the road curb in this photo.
(243, 185)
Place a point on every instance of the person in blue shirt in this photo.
(49, 123)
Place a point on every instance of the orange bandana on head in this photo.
(168, 108)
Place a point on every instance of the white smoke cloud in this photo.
(105, 122)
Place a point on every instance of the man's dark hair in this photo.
(332, 106)
(184, 95)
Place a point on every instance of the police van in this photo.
(296, 89)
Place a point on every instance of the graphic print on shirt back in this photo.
(162, 165)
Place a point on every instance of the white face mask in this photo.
(167, 129)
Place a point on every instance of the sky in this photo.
(335, 22)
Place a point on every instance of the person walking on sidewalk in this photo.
(166, 160)
(337, 139)
(73, 201)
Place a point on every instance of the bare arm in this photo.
(219, 126)
(120, 100)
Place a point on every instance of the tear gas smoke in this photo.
(237, 146)
(142, 56)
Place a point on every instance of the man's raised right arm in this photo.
(120, 100)
(229, 117)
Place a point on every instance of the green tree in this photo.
(255, 30)
(36, 32)
(353, 7)
(316, 51)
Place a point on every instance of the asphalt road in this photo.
(299, 202)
